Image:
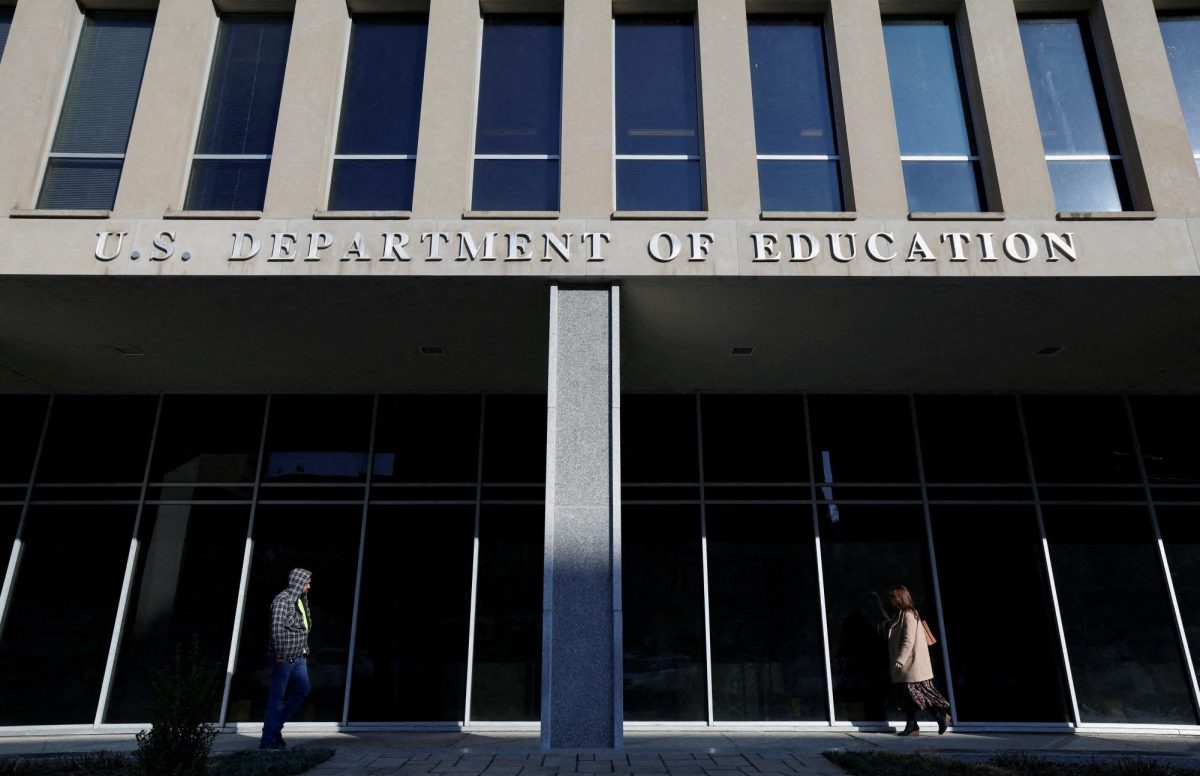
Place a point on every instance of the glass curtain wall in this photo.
(423, 533)
(1181, 37)
(761, 533)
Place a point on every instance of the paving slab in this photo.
(652, 753)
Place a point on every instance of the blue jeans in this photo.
(289, 688)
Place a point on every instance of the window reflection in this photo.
(1125, 658)
(413, 614)
(185, 588)
(318, 439)
(982, 590)
(208, 439)
(663, 618)
(508, 615)
(60, 617)
(768, 659)
(324, 540)
(867, 550)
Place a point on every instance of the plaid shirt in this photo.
(289, 631)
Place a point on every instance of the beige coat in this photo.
(908, 650)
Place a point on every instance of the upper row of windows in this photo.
(658, 150)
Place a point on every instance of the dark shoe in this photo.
(276, 744)
(910, 730)
(943, 723)
(279, 740)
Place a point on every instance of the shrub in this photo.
(180, 735)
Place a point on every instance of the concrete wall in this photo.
(1154, 140)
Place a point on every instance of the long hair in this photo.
(905, 599)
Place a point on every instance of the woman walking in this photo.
(912, 673)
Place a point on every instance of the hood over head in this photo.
(296, 580)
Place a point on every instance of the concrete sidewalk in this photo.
(706, 753)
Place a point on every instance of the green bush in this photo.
(180, 736)
(896, 764)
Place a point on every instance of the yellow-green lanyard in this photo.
(303, 613)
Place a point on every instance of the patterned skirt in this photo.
(918, 696)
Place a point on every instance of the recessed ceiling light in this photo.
(742, 350)
(129, 350)
(432, 350)
(1049, 350)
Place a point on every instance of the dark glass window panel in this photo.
(981, 494)
(1125, 659)
(867, 493)
(208, 439)
(201, 493)
(757, 493)
(97, 439)
(659, 185)
(310, 492)
(1176, 493)
(1180, 528)
(971, 439)
(800, 185)
(862, 439)
(657, 107)
(1080, 439)
(413, 647)
(1094, 493)
(185, 590)
(514, 442)
(515, 184)
(318, 439)
(10, 520)
(386, 493)
(1084, 186)
(242, 103)
(381, 110)
(23, 418)
(129, 493)
(60, 617)
(520, 86)
(793, 108)
(324, 540)
(660, 493)
(372, 184)
(943, 186)
(421, 439)
(97, 111)
(865, 551)
(663, 621)
(980, 548)
(508, 615)
(754, 439)
(6, 15)
(1167, 429)
(1181, 37)
(1067, 92)
(928, 93)
(85, 184)
(228, 184)
(768, 659)
(658, 439)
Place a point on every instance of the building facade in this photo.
(605, 360)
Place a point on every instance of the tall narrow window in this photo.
(1080, 142)
(1181, 35)
(376, 152)
(798, 161)
(237, 131)
(6, 15)
(658, 120)
(97, 113)
(520, 99)
(937, 143)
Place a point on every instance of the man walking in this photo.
(291, 620)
